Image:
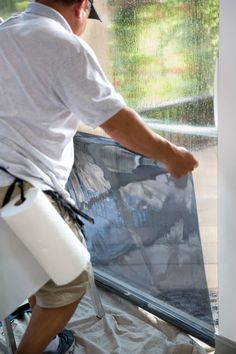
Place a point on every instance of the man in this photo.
(50, 80)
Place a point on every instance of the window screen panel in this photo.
(145, 242)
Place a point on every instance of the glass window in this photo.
(161, 56)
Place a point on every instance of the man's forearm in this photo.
(127, 128)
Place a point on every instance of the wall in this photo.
(96, 34)
(227, 169)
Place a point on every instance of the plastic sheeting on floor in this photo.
(125, 329)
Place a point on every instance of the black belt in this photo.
(72, 210)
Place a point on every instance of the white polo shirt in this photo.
(50, 80)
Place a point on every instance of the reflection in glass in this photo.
(146, 237)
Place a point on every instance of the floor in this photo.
(205, 180)
(125, 329)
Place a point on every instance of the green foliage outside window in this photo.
(9, 7)
(163, 51)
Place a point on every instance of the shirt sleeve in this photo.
(83, 86)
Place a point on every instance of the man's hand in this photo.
(180, 162)
(129, 130)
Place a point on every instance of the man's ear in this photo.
(80, 8)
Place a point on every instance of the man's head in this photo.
(76, 12)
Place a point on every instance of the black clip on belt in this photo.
(10, 190)
(72, 210)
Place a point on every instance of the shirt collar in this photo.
(46, 11)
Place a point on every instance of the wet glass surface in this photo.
(162, 57)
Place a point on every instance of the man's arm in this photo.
(127, 128)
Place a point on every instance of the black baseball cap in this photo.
(93, 13)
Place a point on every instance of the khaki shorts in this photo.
(52, 295)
